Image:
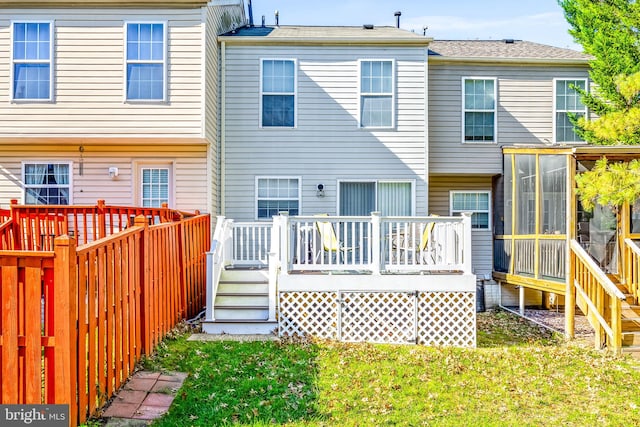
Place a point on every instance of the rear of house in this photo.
(323, 120)
(111, 102)
(483, 96)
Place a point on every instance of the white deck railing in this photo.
(367, 245)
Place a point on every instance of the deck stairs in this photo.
(241, 304)
(630, 319)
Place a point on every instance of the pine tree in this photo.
(608, 30)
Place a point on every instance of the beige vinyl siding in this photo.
(188, 167)
(89, 76)
(326, 145)
(219, 19)
(439, 204)
(525, 113)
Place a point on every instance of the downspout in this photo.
(223, 116)
(426, 127)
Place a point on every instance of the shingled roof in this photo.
(501, 49)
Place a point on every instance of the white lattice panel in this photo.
(447, 319)
(308, 313)
(381, 317)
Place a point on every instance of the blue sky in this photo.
(540, 21)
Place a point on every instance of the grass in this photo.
(520, 375)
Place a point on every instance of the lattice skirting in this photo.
(430, 318)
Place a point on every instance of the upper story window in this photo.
(31, 55)
(146, 61)
(376, 94)
(47, 183)
(567, 101)
(278, 89)
(479, 117)
(476, 202)
(277, 194)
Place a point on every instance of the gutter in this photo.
(511, 61)
(322, 41)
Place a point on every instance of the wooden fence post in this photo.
(102, 223)
(65, 317)
(17, 235)
(146, 310)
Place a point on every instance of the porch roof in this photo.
(581, 152)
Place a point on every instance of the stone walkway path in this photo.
(145, 397)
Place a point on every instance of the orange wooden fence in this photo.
(115, 299)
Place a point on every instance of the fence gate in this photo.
(380, 317)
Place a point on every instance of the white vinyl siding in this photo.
(278, 92)
(90, 75)
(47, 183)
(476, 202)
(524, 112)
(479, 101)
(566, 101)
(32, 59)
(277, 194)
(376, 93)
(327, 145)
(145, 61)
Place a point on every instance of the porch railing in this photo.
(631, 254)
(597, 296)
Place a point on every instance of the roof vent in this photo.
(368, 26)
(397, 15)
(509, 41)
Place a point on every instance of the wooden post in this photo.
(9, 329)
(102, 223)
(15, 218)
(65, 319)
(466, 243)
(375, 243)
(146, 312)
(570, 297)
(616, 324)
(285, 243)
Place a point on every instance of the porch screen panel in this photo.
(553, 193)
(508, 195)
(357, 198)
(525, 194)
(394, 198)
(635, 217)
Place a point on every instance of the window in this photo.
(278, 87)
(32, 52)
(567, 101)
(277, 195)
(376, 94)
(476, 202)
(146, 64)
(479, 119)
(155, 186)
(47, 183)
(390, 198)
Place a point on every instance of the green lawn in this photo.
(519, 375)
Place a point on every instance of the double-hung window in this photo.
(155, 183)
(567, 101)
(31, 55)
(376, 93)
(146, 62)
(47, 183)
(277, 194)
(278, 89)
(479, 112)
(476, 202)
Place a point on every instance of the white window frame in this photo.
(489, 212)
(47, 162)
(412, 182)
(494, 111)
(555, 107)
(392, 94)
(294, 93)
(256, 198)
(140, 165)
(50, 61)
(165, 53)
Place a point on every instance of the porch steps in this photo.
(630, 319)
(242, 303)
